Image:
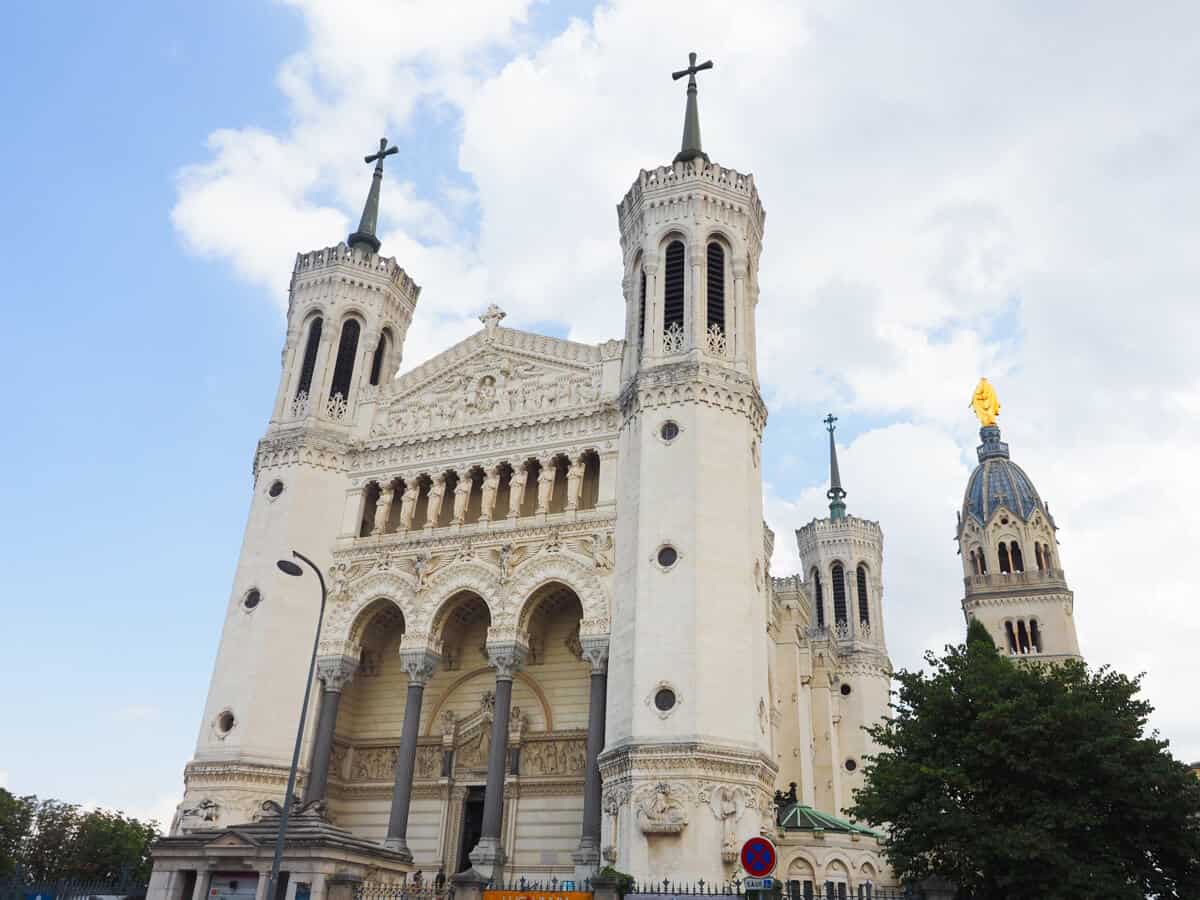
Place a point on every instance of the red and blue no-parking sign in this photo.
(759, 857)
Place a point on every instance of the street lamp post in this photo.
(290, 568)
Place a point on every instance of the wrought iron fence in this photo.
(548, 885)
(373, 890)
(18, 888)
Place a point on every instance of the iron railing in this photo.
(372, 890)
(17, 888)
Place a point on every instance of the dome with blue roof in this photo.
(999, 482)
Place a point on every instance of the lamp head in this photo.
(287, 567)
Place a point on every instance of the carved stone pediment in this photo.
(493, 383)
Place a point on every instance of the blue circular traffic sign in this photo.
(759, 857)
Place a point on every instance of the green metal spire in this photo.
(365, 236)
(690, 148)
(837, 501)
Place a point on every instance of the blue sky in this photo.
(936, 193)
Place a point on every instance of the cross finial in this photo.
(829, 421)
(365, 236)
(384, 150)
(690, 148)
(837, 496)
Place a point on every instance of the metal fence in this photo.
(71, 889)
(372, 890)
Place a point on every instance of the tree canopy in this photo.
(50, 840)
(1013, 780)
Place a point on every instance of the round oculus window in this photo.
(667, 557)
(225, 722)
(252, 599)
(845, 690)
(669, 430)
(664, 699)
(851, 765)
(275, 489)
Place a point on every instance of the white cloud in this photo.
(996, 191)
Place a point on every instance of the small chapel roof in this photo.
(798, 817)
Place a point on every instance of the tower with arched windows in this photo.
(1013, 577)
(845, 654)
(688, 674)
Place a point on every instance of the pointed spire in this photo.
(837, 502)
(365, 235)
(690, 147)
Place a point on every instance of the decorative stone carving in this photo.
(571, 642)
(662, 809)
(419, 665)
(336, 672)
(595, 650)
(374, 763)
(557, 757)
(727, 804)
(506, 658)
(428, 762)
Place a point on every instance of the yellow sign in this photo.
(537, 895)
(985, 403)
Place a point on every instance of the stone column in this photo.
(335, 673)
(587, 857)
(203, 883)
(651, 338)
(545, 487)
(491, 483)
(737, 340)
(696, 300)
(488, 856)
(383, 507)
(419, 664)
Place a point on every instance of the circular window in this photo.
(851, 765)
(225, 722)
(275, 489)
(667, 557)
(252, 599)
(845, 690)
(664, 700)
(670, 430)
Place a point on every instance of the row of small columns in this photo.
(489, 488)
(506, 658)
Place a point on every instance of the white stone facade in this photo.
(527, 510)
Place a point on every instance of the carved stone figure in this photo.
(408, 503)
(491, 482)
(661, 813)
(462, 491)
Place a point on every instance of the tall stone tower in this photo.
(687, 768)
(1014, 580)
(348, 311)
(842, 556)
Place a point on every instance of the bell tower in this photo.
(687, 768)
(348, 311)
(1013, 577)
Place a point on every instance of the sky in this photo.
(952, 190)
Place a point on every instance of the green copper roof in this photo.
(805, 818)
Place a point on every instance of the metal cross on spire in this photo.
(690, 148)
(365, 235)
(837, 503)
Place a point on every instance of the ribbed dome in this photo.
(998, 481)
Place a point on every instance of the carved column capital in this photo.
(419, 665)
(336, 672)
(595, 651)
(506, 658)
(740, 267)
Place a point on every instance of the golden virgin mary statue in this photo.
(985, 403)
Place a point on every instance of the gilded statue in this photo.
(985, 403)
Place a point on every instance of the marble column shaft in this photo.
(335, 674)
(420, 666)
(595, 650)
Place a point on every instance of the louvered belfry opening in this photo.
(343, 369)
(310, 357)
(839, 594)
(377, 361)
(818, 599)
(674, 279)
(716, 286)
(864, 606)
(642, 311)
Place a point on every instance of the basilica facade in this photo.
(552, 640)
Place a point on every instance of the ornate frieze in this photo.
(693, 382)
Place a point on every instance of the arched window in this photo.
(1011, 636)
(818, 599)
(380, 353)
(1018, 563)
(864, 607)
(310, 357)
(1005, 565)
(1022, 636)
(343, 369)
(674, 279)
(642, 311)
(716, 287)
(1037, 552)
(1035, 636)
(1046, 556)
(839, 594)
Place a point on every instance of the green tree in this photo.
(16, 820)
(47, 847)
(108, 845)
(1021, 781)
